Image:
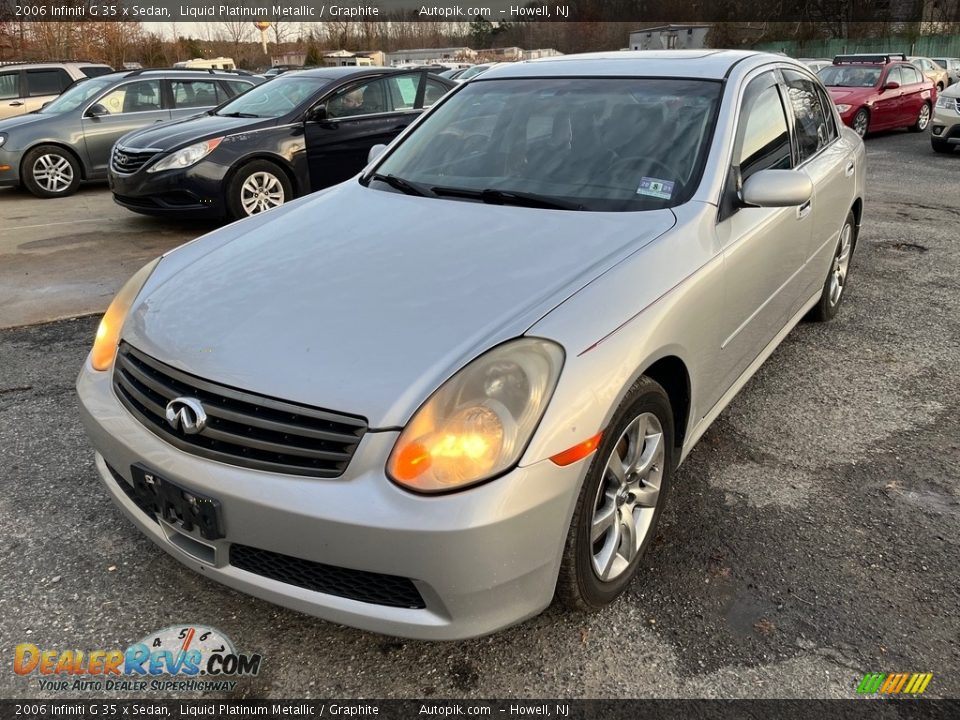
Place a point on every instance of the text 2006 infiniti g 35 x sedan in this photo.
(430, 399)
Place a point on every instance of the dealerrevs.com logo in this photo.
(180, 658)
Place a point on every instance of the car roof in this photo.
(346, 71)
(708, 64)
(179, 73)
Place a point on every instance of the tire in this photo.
(259, 176)
(49, 171)
(861, 122)
(580, 585)
(939, 87)
(923, 119)
(941, 147)
(834, 287)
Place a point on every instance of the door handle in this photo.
(16, 103)
(851, 166)
(804, 209)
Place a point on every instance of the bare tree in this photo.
(235, 33)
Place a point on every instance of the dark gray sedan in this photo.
(52, 150)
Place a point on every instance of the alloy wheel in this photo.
(860, 123)
(260, 192)
(627, 497)
(53, 173)
(841, 263)
(924, 118)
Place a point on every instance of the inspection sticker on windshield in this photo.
(653, 187)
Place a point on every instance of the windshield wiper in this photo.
(404, 186)
(238, 115)
(493, 196)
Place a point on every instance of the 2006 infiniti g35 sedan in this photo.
(432, 398)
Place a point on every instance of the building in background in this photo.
(425, 56)
(670, 37)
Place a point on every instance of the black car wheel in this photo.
(861, 122)
(836, 282)
(621, 500)
(923, 119)
(50, 171)
(257, 187)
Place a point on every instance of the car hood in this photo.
(21, 121)
(850, 95)
(364, 301)
(170, 135)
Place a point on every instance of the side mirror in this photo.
(96, 110)
(776, 188)
(891, 86)
(317, 114)
(375, 152)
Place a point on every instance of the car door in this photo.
(829, 162)
(887, 108)
(125, 108)
(357, 117)
(11, 104)
(763, 248)
(44, 85)
(914, 87)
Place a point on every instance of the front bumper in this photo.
(481, 559)
(945, 126)
(194, 192)
(11, 161)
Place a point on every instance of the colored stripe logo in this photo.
(894, 683)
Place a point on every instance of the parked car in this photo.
(933, 72)
(879, 92)
(945, 127)
(474, 71)
(25, 87)
(424, 401)
(69, 140)
(300, 132)
(952, 66)
(816, 64)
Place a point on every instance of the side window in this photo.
(47, 82)
(829, 120)
(810, 121)
(763, 138)
(141, 96)
(403, 90)
(433, 92)
(10, 85)
(233, 88)
(194, 93)
(95, 70)
(910, 75)
(894, 76)
(364, 99)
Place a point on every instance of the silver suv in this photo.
(25, 87)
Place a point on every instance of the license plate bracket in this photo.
(182, 508)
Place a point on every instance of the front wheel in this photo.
(861, 121)
(923, 119)
(836, 283)
(257, 187)
(50, 171)
(621, 500)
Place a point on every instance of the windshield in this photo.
(78, 95)
(612, 144)
(849, 76)
(273, 99)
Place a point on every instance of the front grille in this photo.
(242, 428)
(368, 587)
(127, 161)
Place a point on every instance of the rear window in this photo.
(96, 70)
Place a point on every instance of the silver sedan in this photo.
(431, 399)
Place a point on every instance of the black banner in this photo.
(936, 15)
(559, 709)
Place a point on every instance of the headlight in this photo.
(108, 334)
(843, 108)
(477, 425)
(942, 102)
(190, 155)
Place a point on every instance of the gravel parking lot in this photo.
(811, 537)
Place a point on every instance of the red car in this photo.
(879, 92)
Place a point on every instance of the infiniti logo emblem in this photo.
(186, 414)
